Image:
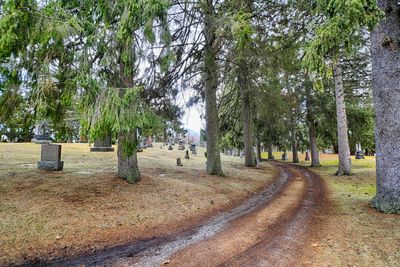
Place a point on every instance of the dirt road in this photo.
(270, 229)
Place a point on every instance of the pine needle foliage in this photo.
(118, 112)
(342, 21)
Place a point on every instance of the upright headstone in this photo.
(50, 158)
(178, 162)
(284, 156)
(193, 149)
(181, 145)
(102, 145)
(170, 147)
(187, 154)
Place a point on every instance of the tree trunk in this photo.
(258, 148)
(211, 81)
(295, 153)
(313, 147)
(385, 52)
(247, 126)
(244, 87)
(270, 151)
(343, 141)
(127, 164)
(127, 141)
(312, 129)
(165, 135)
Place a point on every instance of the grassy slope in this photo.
(85, 207)
(353, 234)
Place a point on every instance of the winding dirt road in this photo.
(270, 229)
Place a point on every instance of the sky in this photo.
(191, 120)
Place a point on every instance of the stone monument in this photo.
(181, 145)
(359, 154)
(42, 135)
(187, 154)
(102, 145)
(50, 158)
(193, 149)
(178, 162)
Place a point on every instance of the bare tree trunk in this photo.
(312, 129)
(211, 81)
(247, 126)
(258, 148)
(385, 83)
(270, 152)
(343, 141)
(165, 135)
(294, 146)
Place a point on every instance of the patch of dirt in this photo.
(257, 232)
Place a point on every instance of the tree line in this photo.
(297, 75)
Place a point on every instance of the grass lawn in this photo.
(353, 233)
(86, 207)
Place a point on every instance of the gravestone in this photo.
(193, 149)
(359, 154)
(50, 158)
(143, 144)
(170, 147)
(42, 135)
(181, 145)
(102, 145)
(307, 156)
(187, 154)
(284, 156)
(241, 154)
(236, 152)
(178, 162)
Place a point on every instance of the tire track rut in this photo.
(259, 232)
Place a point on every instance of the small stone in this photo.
(59, 237)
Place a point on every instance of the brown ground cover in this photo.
(86, 207)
